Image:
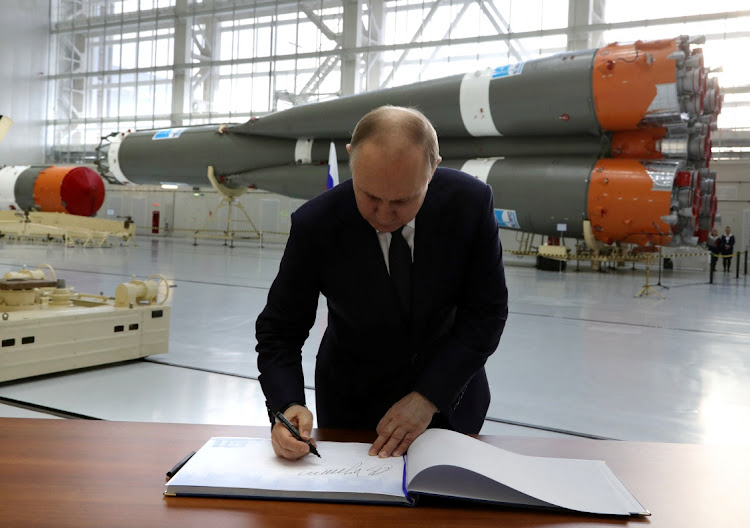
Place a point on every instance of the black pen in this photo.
(295, 433)
(178, 466)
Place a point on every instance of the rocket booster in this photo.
(141, 157)
(628, 201)
(618, 87)
(557, 121)
(52, 189)
(625, 200)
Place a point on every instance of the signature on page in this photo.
(355, 470)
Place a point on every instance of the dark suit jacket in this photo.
(369, 357)
(727, 244)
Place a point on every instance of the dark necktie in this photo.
(399, 264)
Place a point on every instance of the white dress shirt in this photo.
(384, 238)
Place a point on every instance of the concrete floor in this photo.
(580, 354)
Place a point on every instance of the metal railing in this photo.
(718, 257)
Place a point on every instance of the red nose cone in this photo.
(82, 192)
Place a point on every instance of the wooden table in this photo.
(76, 473)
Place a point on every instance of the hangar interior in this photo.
(581, 354)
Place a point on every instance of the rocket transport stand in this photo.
(46, 327)
(229, 199)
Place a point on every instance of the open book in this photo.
(439, 462)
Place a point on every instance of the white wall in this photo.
(733, 192)
(184, 211)
(24, 48)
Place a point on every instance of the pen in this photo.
(178, 466)
(295, 433)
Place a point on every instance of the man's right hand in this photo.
(284, 444)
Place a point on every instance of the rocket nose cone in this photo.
(82, 191)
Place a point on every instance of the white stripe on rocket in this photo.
(479, 168)
(8, 177)
(303, 150)
(113, 157)
(474, 102)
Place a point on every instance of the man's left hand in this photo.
(402, 424)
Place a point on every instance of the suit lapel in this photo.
(359, 242)
(359, 239)
(427, 246)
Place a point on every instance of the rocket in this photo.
(612, 142)
(51, 189)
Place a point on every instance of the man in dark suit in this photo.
(713, 244)
(727, 248)
(406, 343)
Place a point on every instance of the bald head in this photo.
(393, 155)
(397, 129)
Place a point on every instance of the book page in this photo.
(248, 467)
(439, 458)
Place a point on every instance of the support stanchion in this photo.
(737, 271)
(661, 244)
(658, 282)
(230, 200)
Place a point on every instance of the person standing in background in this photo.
(727, 248)
(713, 246)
